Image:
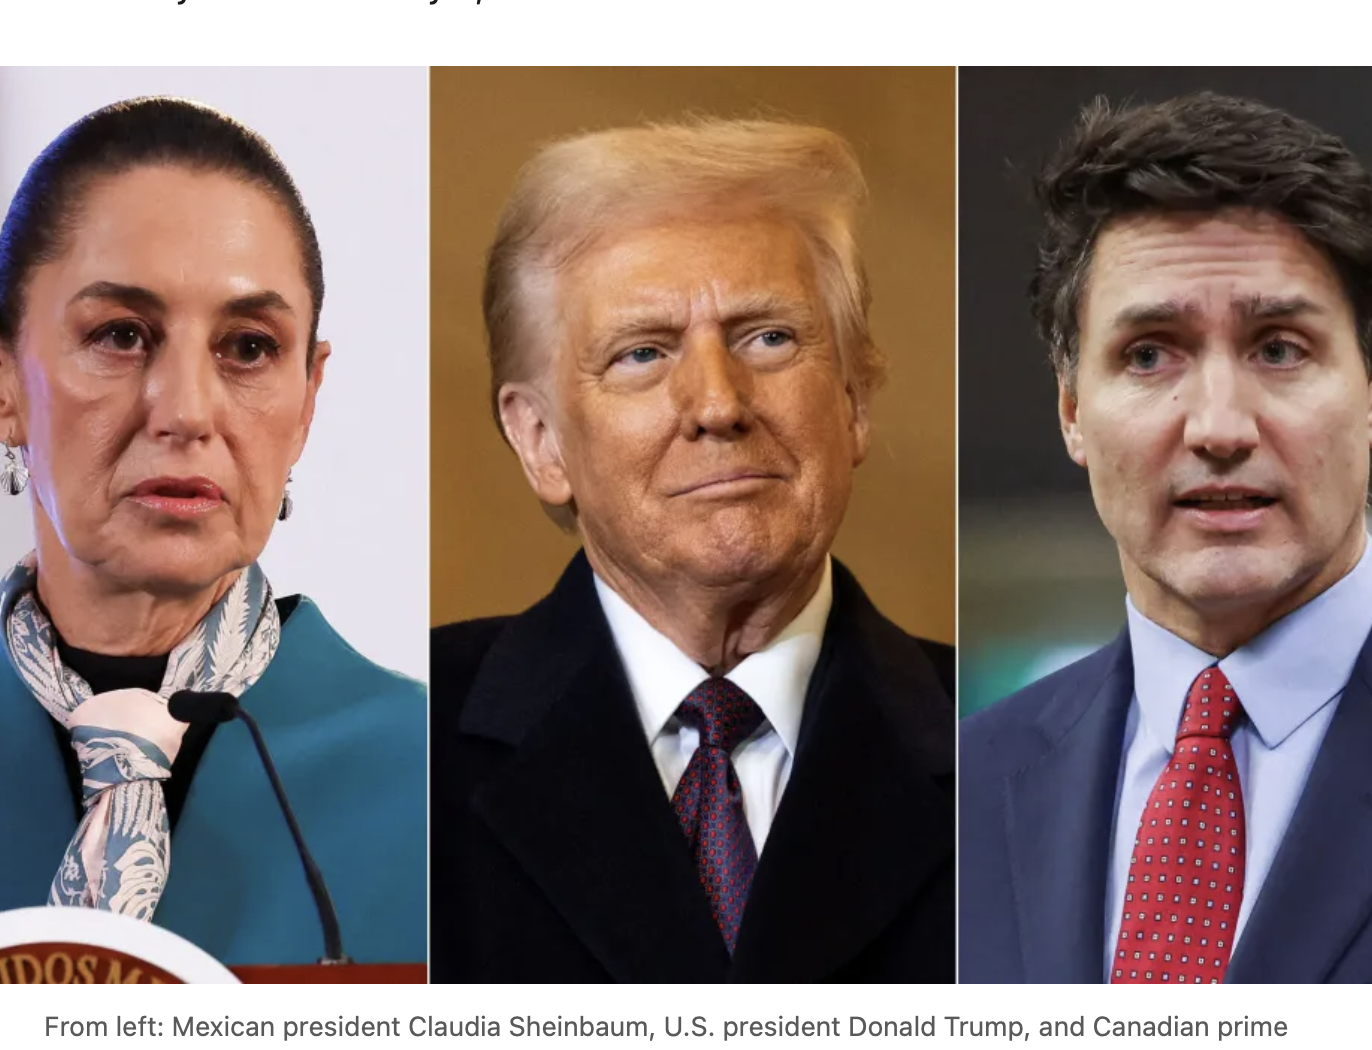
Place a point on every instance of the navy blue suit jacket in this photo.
(1037, 776)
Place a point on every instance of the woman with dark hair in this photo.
(160, 293)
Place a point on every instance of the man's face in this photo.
(1223, 411)
(703, 425)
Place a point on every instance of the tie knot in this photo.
(721, 712)
(1211, 709)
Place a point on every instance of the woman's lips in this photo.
(178, 497)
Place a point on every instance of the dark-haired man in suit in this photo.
(704, 756)
(1192, 803)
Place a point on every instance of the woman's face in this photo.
(159, 379)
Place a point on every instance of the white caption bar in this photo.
(499, 1017)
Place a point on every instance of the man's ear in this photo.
(1067, 419)
(12, 429)
(860, 423)
(526, 417)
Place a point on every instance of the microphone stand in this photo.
(191, 706)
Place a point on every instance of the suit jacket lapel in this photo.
(580, 804)
(867, 816)
(1318, 893)
(1060, 812)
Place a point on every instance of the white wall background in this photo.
(356, 143)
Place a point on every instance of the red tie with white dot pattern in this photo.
(1186, 873)
(709, 802)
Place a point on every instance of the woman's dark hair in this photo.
(1198, 153)
(127, 135)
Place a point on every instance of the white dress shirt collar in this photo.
(776, 677)
(1282, 677)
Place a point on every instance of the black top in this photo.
(106, 673)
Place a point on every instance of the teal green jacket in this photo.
(349, 742)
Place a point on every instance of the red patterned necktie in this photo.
(709, 803)
(1186, 872)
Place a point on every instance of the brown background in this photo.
(493, 551)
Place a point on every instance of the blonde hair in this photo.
(575, 189)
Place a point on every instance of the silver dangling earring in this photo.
(14, 476)
(287, 504)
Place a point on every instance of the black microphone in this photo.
(190, 706)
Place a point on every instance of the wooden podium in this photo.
(44, 945)
(342, 973)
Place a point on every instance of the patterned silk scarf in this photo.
(125, 741)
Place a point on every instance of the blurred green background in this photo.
(1039, 587)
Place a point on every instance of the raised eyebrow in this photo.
(258, 303)
(641, 326)
(761, 307)
(665, 322)
(1274, 307)
(128, 295)
(136, 298)
(1248, 308)
(1166, 311)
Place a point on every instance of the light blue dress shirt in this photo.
(1289, 680)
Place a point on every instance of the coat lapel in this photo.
(867, 816)
(580, 804)
(1060, 812)
(1318, 893)
(37, 811)
(344, 736)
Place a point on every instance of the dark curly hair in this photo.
(1197, 153)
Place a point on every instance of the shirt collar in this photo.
(1282, 677)
(776, 677)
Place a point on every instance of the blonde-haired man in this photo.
(705, 755)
